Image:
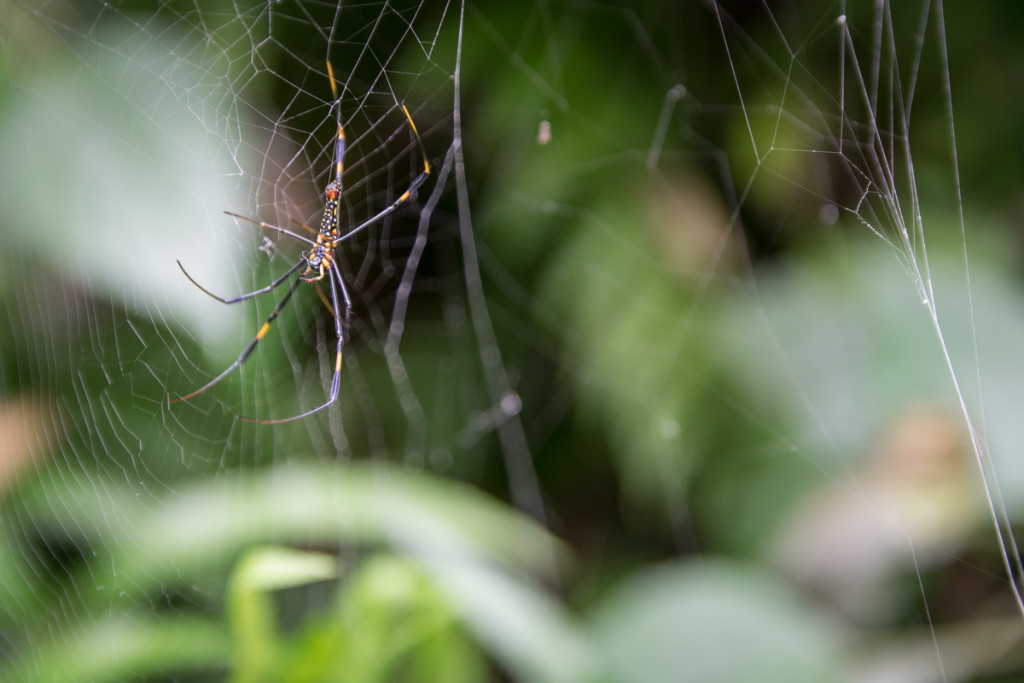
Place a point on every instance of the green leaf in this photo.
(251, 610)
(122, 646)
(526, 629)
(390, 624)
(713, 621)
(184, 536)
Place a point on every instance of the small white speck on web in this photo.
(544, 132)
(828, 214)
(268, 247)
(511, 403)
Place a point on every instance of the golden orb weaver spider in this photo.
(317, 263)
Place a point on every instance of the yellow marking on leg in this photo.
(330, 74)
(404, 196)
(337, 363)
(411, 122)
(263, 330)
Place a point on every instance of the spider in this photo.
(316, 264)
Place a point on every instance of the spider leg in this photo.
(339, 144)
(248, 349)
(242, 297)
(268, 226)
(304, 226)
(336, 272)
(332, 395)
(419, 180)
(323, 298)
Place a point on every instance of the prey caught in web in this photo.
(316, 264)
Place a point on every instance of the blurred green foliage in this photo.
(744, 432)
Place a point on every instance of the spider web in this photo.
(740, 274)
